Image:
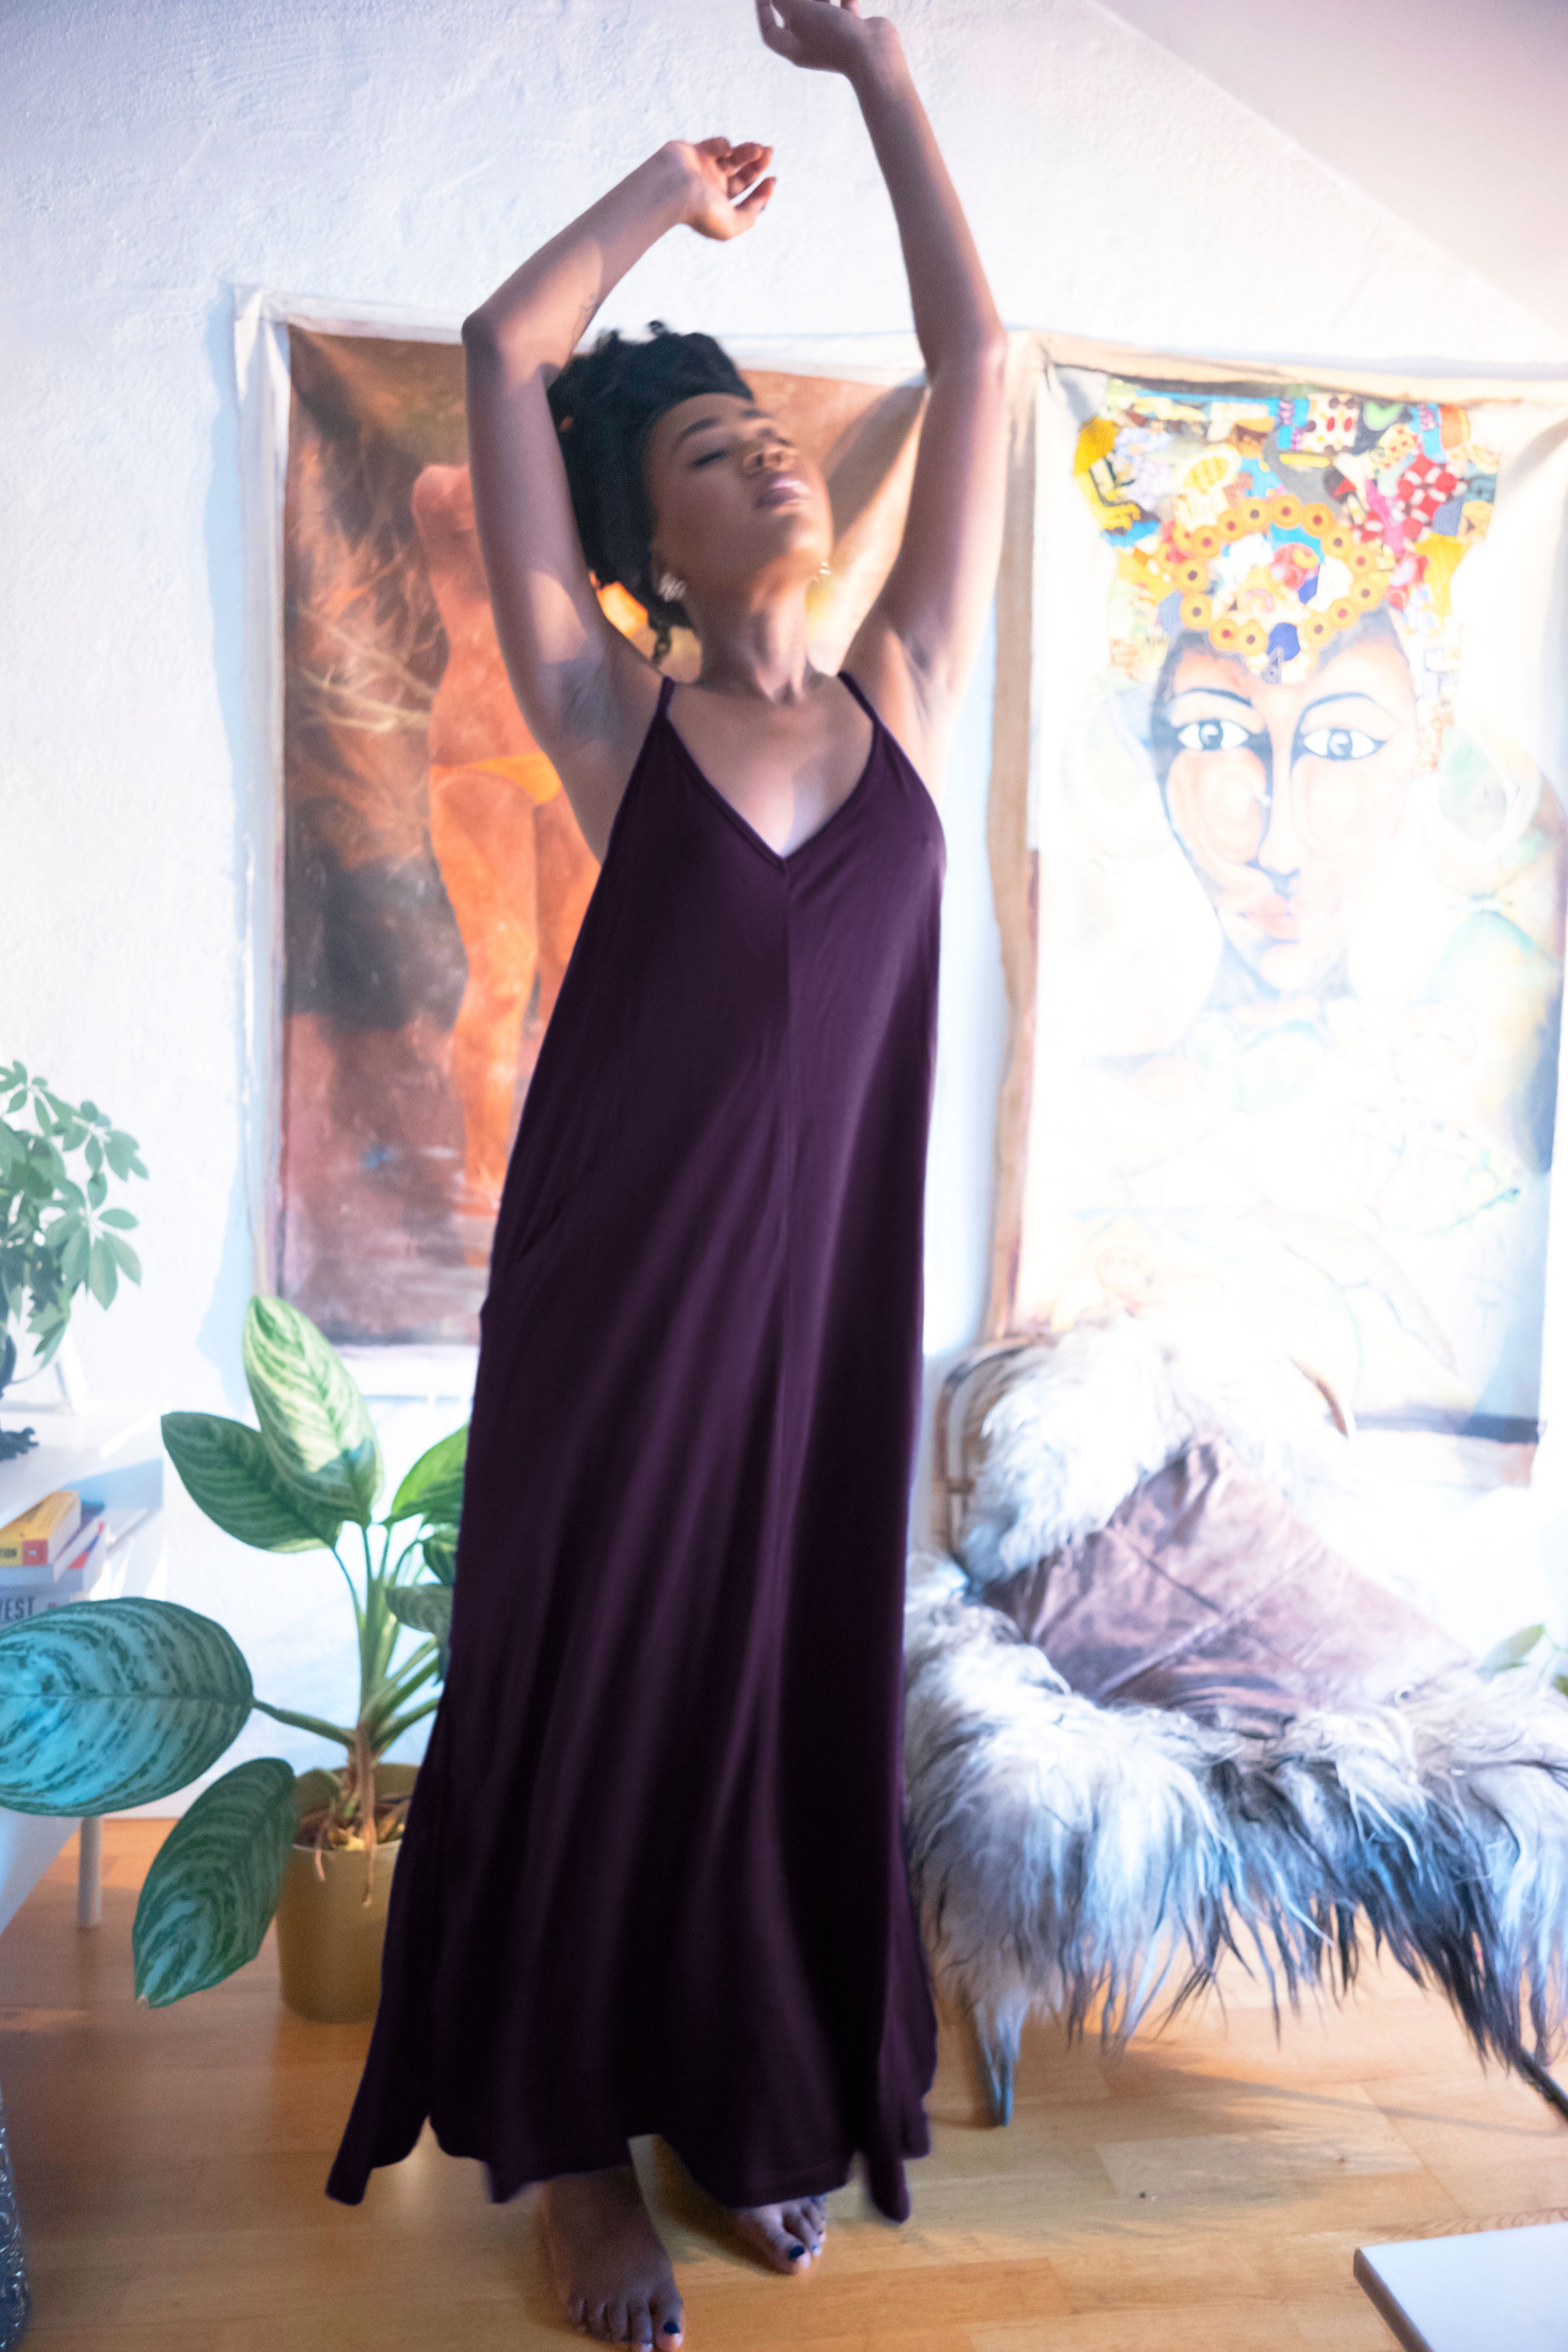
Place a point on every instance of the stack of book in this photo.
(51, 1554)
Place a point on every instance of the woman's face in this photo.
(739, 511)
(1287, 799)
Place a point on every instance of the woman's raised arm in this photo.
(587, 695)
(914, 651)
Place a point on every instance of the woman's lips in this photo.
(1269, 911)
(785, 488)
(1274, 915)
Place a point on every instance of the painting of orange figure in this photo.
(434, 877)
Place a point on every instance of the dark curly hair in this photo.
(605, 402)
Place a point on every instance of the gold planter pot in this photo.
(329, 1938)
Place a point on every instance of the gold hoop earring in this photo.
(671, 589)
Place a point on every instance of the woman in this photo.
(653, 1877)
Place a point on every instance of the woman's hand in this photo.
(829, 36)
(725, 193)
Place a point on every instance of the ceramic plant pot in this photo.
(329, 1938)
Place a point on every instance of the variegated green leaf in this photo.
(427, 1607)
(313, 1418)
(1514, 1650)
(207, 1900)
(439, 1547)
(434, 1487)
(106, 1704)
(228, 1472)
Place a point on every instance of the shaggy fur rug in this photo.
(1071, 1856)
(1087, 1417)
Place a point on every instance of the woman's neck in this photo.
(760, 654)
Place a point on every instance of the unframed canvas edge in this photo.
(262, 317)
(1056, 351)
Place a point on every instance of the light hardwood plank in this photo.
(1206, 2188)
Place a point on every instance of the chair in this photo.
(1153, 1714)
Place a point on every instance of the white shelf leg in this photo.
(88, 1872)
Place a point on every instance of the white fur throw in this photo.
(1066, 1855)
(1073, 1856)
(1089, 1415)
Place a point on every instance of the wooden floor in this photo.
(1208, 2190)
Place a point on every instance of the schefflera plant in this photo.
(106, 1704)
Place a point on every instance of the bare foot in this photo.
(610, 2270)
(790, 2235)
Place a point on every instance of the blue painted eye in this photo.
(1213, 735)
(1339, 743)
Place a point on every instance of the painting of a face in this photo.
(1288, 799)
(1295, 916)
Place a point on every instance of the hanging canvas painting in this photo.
(432, 875)
(1300, 861)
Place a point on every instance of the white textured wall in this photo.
(1450, 113)
(379, 151)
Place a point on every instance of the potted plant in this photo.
(59, 1234)
(109, 1704)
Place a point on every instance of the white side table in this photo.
(115, 1454)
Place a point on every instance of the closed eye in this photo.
(1340, 743)
(1214, 735)
(710, 457)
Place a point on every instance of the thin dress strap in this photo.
(863, 699)
(665, 688)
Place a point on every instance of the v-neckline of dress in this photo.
(783, 859)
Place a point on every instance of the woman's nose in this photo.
(1282, 850)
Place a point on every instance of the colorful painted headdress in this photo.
(1269, 524)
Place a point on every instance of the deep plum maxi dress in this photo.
(653, 1874)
